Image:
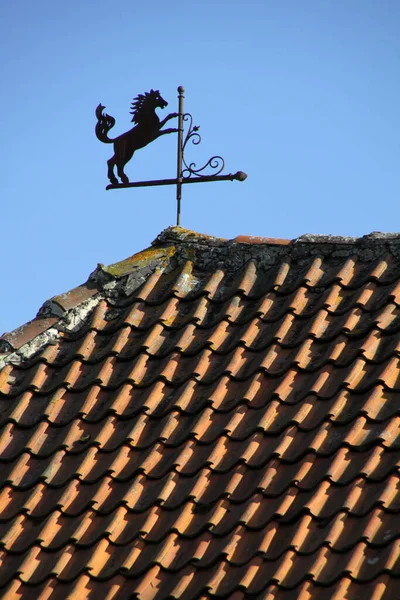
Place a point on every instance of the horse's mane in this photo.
(140, 105)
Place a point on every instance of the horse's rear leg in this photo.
(122, 156)
(121, 173)
(110, 173)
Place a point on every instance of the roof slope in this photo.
(208, 418)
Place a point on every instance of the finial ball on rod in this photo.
(181, 89)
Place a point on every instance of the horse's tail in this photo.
(103, 125)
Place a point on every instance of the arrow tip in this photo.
(240, 176)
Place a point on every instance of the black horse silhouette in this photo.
(147, 129)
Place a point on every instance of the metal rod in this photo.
(179, 160)
(239, 176)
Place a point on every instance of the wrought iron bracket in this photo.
(239, 176)
(216, 163)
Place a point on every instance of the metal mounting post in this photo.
(181, 97)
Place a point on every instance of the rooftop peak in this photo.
(173, 249)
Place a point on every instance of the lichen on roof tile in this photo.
(146, 258)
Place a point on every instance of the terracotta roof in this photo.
(208, 418)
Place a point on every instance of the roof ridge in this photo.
(173, 247)
(181, 235)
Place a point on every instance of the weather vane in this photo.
(148, 128)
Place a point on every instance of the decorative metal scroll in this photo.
(148, 128)
(216, 163)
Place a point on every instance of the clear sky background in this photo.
(303, 95)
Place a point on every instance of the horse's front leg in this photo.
(167, 131)
(170, 116)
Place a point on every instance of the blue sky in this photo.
(303, 95)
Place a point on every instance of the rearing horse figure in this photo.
(148, 128)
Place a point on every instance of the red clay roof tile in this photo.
(20, 336)
(208, 418)
(251, 239)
